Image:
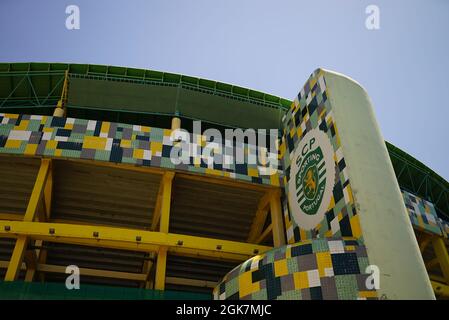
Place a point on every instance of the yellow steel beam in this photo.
(48, 192)
(225, 181)
(41, 253)
(146, 270)
(436, 278)
(265, 234)
(167, 181)
(22, 241)
(11, 216)
(30, 259)
(38, 190)
(277, 220)
(163, 199)
(120, 166)
(42, 257)
(162, 207)
(68, 221)
(16, 259)
(60, 106)
(157, 207)
(127, 239)
(40, 212)
(443, 257)
(216, 255)
(260, 217)
(425, 240)
(161, 264)
(440, 289)
(93, 272)
(190, 282)
(4, 265)
(430, 264)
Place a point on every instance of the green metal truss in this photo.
(133, 75)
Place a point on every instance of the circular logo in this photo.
(312, 174)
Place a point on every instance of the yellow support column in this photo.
(161, 264)
(425, 240)
(16, 259)
(443, 257)
(260, 217)
(175, 123)
(440, 289)
(166, 200)
(60, 108)
(33, 204)
(31, 262)
(41, 253)
(276, 219)
(38, 190)
(48, 192)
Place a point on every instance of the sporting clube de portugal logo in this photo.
(311, 181)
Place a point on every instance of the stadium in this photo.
(86, 180)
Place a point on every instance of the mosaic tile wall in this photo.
(444, 228)
(114, 142)
(329, 269)
(423, 215)
(312, 109)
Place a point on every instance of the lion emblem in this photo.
(310, 183)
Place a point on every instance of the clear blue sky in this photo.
(271, 46)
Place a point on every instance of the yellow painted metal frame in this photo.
(36, 225)
(265, 234)
(16, 259)
(43, 267)
(259, 218)
(191, 282)
(40, 255)
(161, 266)
(60, 107)
(440, 289)
(33, 204)
(93, 272)
(443, 257)
(127, 239)
(270, 202)
(426, 239)
(164, 204)
(440, 284)
(277, 219)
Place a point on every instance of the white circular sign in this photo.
(312, 179)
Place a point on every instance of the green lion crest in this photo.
(311, 181)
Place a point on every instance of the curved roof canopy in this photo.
(36, 87)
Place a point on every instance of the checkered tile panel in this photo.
(423, 215)
(312, 109)
(330, 269)
(117, 142)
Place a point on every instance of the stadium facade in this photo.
(87, 179)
